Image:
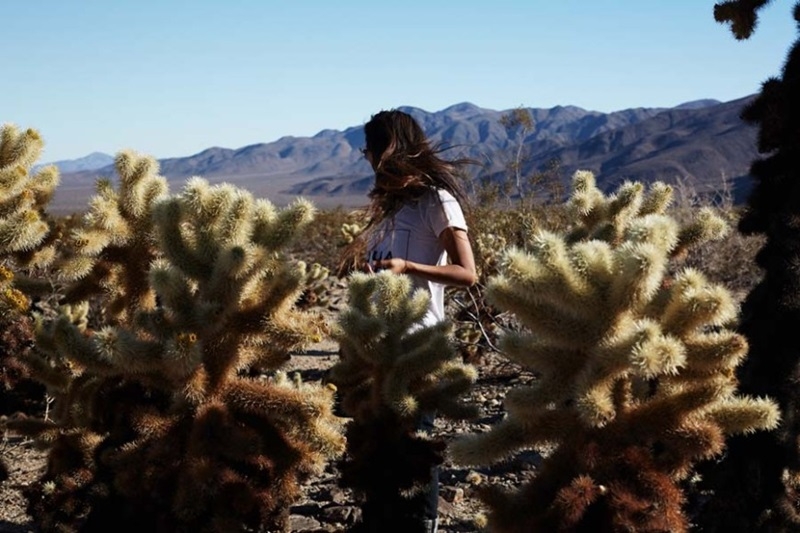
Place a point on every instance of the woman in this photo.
(416, 227)
(416, 223)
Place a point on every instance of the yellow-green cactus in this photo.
(394, 371)
(636, 368)
(157, 422)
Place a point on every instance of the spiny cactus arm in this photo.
(236, 224)
(586, 202)
(657, 199)
(137, 174)
(705, 226)
(408, 315)
(668, 410)
(259, 399)
(512, 435)
(423, 358)
(173, 288)
(640, 351)
(548, 273)
(325, 435)
(25, 201)
(742, 15)
(658, 230)
(531, 351)
(272, 294)
(11, 180)
(350, 370)
(43, 371)
(451, 408)
(22, 231)
(745, 415)
(19, 148)
(624, 205)
(640, 270)
(233, 270)
(694, 440)
(283, 287)
(292, 329)
(527, 402)
(91, 241)
(449, 383)
(280, 232)
(168, 218)
(159, 323)
(707, 353)
(126, 353)
(104, 213)
(396, 389)
(303, 414)
(73, 345)
(361, 332)
(551, 324)
(691, 308)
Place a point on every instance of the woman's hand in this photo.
(394, 265)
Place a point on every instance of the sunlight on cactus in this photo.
(113, 248)
(156, 423)
(636, 368)
(393, 369)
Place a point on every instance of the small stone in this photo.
(453, 494)
(303, 523)
(342, 514)
(446, 508)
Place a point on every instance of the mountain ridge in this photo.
(691, 141)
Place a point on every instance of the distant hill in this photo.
(699, 142)
(93, 161)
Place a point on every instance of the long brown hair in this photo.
(406, 166)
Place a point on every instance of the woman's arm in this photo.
(460, 272)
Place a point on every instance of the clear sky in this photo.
(171, 78)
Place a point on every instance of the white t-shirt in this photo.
(413, 234)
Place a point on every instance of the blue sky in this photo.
(172, 78)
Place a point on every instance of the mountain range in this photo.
(701, 144)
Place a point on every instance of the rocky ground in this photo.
(327, 507)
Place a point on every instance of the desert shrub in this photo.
(392, 370)
(157, 425)
(635, 367)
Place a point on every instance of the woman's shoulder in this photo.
(437, 197)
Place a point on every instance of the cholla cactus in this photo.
(757, 484)
(157, 425)
(19, 392)
(27, 246)
(392, 371)
(26, 238)
(636, 369)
